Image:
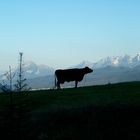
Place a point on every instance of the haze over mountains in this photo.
(108, 70)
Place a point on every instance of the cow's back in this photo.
(69, 75)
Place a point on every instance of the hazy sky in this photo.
(61, 33)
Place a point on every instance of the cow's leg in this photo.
(76, 83)
(58, 85)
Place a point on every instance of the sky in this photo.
(62, 33)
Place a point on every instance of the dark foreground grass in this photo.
(92, 113)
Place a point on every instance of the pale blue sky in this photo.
(62, 33)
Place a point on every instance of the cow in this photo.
(68, 75)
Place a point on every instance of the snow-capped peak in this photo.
(125, 61)
(114, 61)
(32, 70)
(137, 57)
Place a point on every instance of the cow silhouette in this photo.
(68, 75)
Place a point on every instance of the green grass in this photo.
(95, 112)
(123, 93)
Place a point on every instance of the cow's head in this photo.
(88, 70)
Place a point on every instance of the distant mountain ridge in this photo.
(109, 70)
(117, 61)
(32, 70)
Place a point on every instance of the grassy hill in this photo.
(95, 113)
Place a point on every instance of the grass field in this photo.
(93, 113)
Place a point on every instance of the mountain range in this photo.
(107, 70)
(116, 61)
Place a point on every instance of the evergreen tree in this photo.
(21, 84)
